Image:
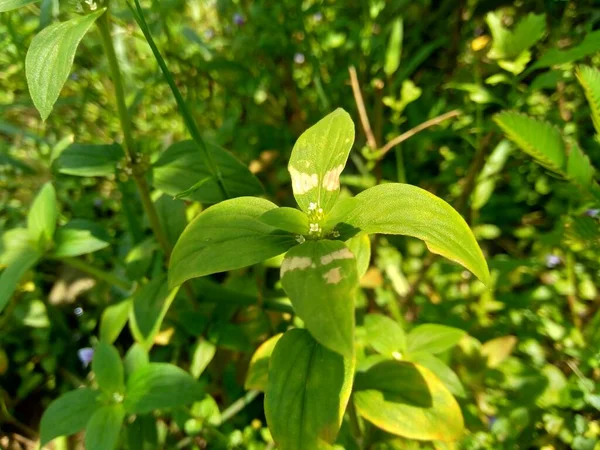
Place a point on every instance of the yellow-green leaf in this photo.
(258, 372)
(408, 400)
(321, 278)
(317, 160)
(396, 208)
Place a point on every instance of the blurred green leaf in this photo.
(68, 414)
(510, 43)
(433, 338)
(42, 217)
(103, 430)
(79, 237)
(113, 320)
(108, 368)
(385, 335)
(7, 5)
(394, 49)
(258, 371)
(88, 160)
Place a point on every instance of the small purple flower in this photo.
(592, 212)
(238, 19)
(85, 355)
(299, 58)
(318, 16)
(552, 261)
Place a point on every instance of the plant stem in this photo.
(238, 405)
(128, 141)
(99, 274)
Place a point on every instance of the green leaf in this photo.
(579, 168)
(486, 180)
(555, 57)
(360, 245)
(108, 368)
(50, 57)
(8, 5)
(321, 278)
(539, 139)
(509, 44)
(407, 400)
(307, 392)
(160, 386)
(88, 160)
(203, 353)
(103, 430)
(394, 48)
(589, 78)
(258, 372)
(227, 236)
(114, 318)
(498, 350)
(440, 370)
(317, 160)
(150, 305)
(291, 220)
(182, 165)
(433, 338)
(172, 216)
(396, 208)
(385, 335)
(142, 433)
(20, 261)
(68, 414)
(42, 217)
(79, 237)
(135, 358)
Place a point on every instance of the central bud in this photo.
(315, 217)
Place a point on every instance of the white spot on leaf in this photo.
(333, 276)
(344, 253)
(303, 182)
(331, 180)
(295, 263)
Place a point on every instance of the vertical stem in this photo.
(128, 141)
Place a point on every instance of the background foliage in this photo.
(255, 75)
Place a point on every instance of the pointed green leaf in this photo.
(589, 78)
(396, 208)
(291, 220)
(360, 245)
(150, 306)
(510, 43)
(171, 213)
(579, 167)
(433, 338)
(227, 236)
(79, 237)
(317, 160)
(50, 57)
(203, 353)
(539, 139)
(385, 335)
(407, 400)
(8, 5)
(307, 392)
(440, 370)
(68, 414)
(160, 386)
(20, 261)
(498, 350)
(555, 57)
(258, 372)
(108, 368)
(182, 166)
(321, 278)
(88, 160)
(103, 430)
(42, 217)
(114, 318)
(135, 358)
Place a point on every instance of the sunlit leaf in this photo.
(433, 338)
(42, 216)
(258, 372)
(404, 209)
(86, 160)
(321, 278)
(407, 400)
(227, 236)
(7, 5)
(79, 237)
(50, 57)
(317, 160)
(103, 429)
(385, 335)
(291, 220)
(510, 43)
(589, 78)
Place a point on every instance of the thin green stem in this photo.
(129, 143)
(188, 119)
(99, 274)
(238, 405)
